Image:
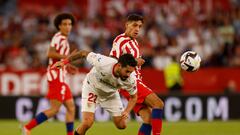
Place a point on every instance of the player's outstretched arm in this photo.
(52, 53)
(76, 55)
(131, 103)
(72, 58)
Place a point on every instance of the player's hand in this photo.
(140, 61)
(125, 115)
(58, 65)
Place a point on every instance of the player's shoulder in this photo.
(122, 37)
(105, 60)
(132, 78)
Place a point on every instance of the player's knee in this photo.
(55, 110)
(87, 125)
(122, 126)
(159, 104)
(87, 122)
(146, 118)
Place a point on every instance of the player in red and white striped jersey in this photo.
(59, 92)
(149, 106)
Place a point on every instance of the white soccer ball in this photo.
(190, 61)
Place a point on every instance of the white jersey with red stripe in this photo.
(102, 78)
(123, 44)
(60, 43)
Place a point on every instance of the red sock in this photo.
(31, 124)
(40, 118)
(156, 121)
(70, 133)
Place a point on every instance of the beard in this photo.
(124, 78)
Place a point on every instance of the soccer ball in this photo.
(190, 61)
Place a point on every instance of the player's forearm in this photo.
(78, 55)
(55, 55)
(131, 103)
(52, 53)
(76, 63)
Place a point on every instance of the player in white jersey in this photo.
(149, 106)
(101, 87)
(59, 92)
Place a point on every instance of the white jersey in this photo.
(102, 79)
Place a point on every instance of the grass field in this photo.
(11, 127)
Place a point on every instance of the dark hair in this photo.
(58, 19)
(127, 60)
(135, 17)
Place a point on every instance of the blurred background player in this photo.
(149, 106)
(101, 87)
(59, 92)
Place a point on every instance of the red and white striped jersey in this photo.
(123, 44)
(60, 43)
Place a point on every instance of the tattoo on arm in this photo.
(78, 55)
(76, 63)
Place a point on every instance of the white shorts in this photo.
(91, 98)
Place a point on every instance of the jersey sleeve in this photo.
(119, 47)
(115, 52)
(53, 43)
(57, 42)
(97, 60)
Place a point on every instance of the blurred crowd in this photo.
(171, 27)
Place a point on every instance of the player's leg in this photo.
(153, 101)
(89, 102)
(70, 107)
(43, 116)
(115, 107)
(119, 122)
(87, 122)
(70, 115)
(146, 128)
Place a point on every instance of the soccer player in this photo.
(59, 92)
(101, 87)
(149, 106)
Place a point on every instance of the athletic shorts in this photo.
(59, 91)
(91, 98)
(143, 92)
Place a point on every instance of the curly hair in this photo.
(58, 19)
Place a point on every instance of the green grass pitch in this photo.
(12, 127)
